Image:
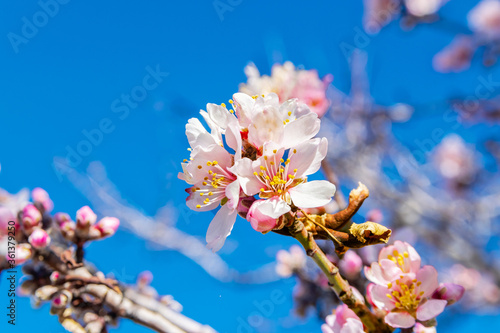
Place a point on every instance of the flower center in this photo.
(276, 177)
(406, 297)
(214, 183)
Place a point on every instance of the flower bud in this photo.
(31, 217)
(351, 264)
(39, 238)
(61, 217)
(54, 276)
(259, 221)
(62, 299)
(40, 195)
(85, 217)
(23, 253)
(449, 292)
(68, 229)
(108, 226)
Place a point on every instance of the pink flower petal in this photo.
(380, 299)
(427, 275)
(430, 309)
(400, 319)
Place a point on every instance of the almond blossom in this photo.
(421, 8)
(394, 261)
(255, 130)
(288, 82)
(282, 183)
(344, 320)
(407, 299)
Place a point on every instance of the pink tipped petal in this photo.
(308, 156)
(220, 228)
(428, 276)
(380, 299)
(400, 319)
(430, 309)
(312, 194)
(450, 292)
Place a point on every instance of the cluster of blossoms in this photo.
(254, 161)
(288, 82)
(28, 225)
(406, 291)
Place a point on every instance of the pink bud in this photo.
(61, 299)
(23, 253)
(31, 217)
(259, 221)
(449, 292)
(61, 217)
(108, 226)
(375, 215)
(39, 238)
(351, 264)
(85, 217)
(55, 276)
(145, 278)
(40, 195)
(7, 219)
(68, 229)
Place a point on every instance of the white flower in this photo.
(264, 120)
(282, 183)
(424, 7)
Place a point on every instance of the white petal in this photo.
(233, 137)
(244, 108)
(219, 114)
(220, 228)
(248, 182)
(233, 194)
(274, 207)
(300, 130)
(308, 156)
(197, 134)
(312, 194)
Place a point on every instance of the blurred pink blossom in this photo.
(351, 264)
(484, 19)
(39, 238)
(40, 195)
(290, 261)
(455, 57)
(288, 82)
(344, 320)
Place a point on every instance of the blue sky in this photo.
(71, 75)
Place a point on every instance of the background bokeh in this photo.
(64, 80)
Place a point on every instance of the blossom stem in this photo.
(339, 285)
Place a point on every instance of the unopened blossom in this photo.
(450, 292)
(23, 252)
(351, 264)
(290, 261)
(288, 82)
(108, 226)
(484, 19)
(455, 57)
(344, 320)
(40, 195)
(281, 183)
(31, 217)
(421, 8)
(85, 217)
(39, 238)
(394, 261)
(60, 218)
